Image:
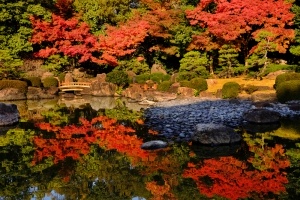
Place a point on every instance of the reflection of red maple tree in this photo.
(74, 141)
(231, 178)
(160, 192)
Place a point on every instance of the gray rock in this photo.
(261, 116)
(38, 93)
(154, 144)
(9, 94)
(215, 134)
(9, 114)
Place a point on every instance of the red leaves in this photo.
(231, 178)
(238, 20)
(123, 40)
(73, 141)
(68, 37)
(73, 39)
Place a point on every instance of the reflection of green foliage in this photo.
(112, 176)
(293, 187)
(16, 153)
(188, 190)
(62, 115)
(18, 137)
(123, 114)
(56, 116)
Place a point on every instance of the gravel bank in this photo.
(177, 119)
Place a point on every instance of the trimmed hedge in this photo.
(164, 86)
(50, 82)
(159, 77)
(186, 83)
(20, 85)
(186, 76)
(119, 78)
(142, 78)
(199, 84)
(230, 90)
(286, 77)
(288, 91)
(34, 81)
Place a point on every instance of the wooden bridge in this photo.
(74, 86)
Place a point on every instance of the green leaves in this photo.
(196, 62)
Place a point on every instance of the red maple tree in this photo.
(233, 179)
(74, 141)
(239, 22)
(122, 40)
(67, 37)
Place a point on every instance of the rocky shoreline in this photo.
(177, 119)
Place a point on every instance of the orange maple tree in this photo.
(233, 179)
(67, 37)
(74, 141)
(239, 22)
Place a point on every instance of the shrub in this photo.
(138, 67)
(61, 77)
(288, 91)
(186, 76)
(159, 77)
(249, 89)
(142, 78)
(199, 84)
(164, 86)
(186, 84)
(276, 67)
(50, 82)
(34, 81)
(286, 77)
(117, 77)
(230, 90)
(20, 85)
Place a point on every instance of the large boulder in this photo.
(10, 94)
(263, 96)
(157, 68)
(134, 91)
(154, 144)
(215, 134)
(186, 92)
(38, 93)
(157, 96)
(261, 116)
(9, 114)
(103, 89)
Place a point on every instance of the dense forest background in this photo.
(195, 38)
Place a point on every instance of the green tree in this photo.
(98, 12)
(196, 63)
(15, 31)
(228, 59)
(295, 47)
(259, 57)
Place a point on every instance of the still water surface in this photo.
(90, 149)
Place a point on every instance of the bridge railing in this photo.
(70, 84)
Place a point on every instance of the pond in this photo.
(90, 149)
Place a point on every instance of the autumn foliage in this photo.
(122, 40)
(234, 179)
(74, 141)
(239, 22)
(72, 38)
(67, 37)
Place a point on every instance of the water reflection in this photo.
(75, 152)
